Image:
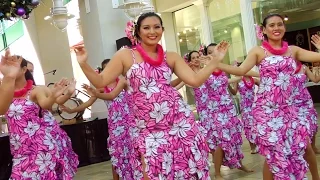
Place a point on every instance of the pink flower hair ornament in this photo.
(185, 57)
(259, 32)
(130, 30)
(202, 50)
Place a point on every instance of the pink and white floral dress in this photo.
(201, 98)
(280, 135)
(225, 127)
(246, 90)
(119, 140)
(166, 135)
(40, 148)
(303, 100)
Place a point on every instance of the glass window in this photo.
(188, 24)
(188, 28)
(226, 23)
(10, 31)
(14, 32)
(66, 2)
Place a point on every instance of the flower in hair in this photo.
(202, 50)
(130, 29)
(185, 57)
(259, 32)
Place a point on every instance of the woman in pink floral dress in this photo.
(119, 140)
(303, 100)
(9, 68)
(167, 141)
(200, 93)
(225, 139)
(280, 136)
(246, 87)
(40, 148)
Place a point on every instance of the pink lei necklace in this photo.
(217, 73)
(148, 59)
(24, 90)
(248, 84)
(274, 51)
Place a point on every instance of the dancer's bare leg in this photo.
(267, 174)
(311, 159)
(218, 158)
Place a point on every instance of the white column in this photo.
(170, 41)
(206, 28)
(248, 24)
(100, 32)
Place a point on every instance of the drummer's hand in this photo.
(66, 109)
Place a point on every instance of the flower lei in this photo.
(274, 51)
(22, 92)
(130, 30)
(248, 84)
(148, 59)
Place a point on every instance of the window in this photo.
(10, 31)
(226, 24)
(66, 2)
(188, 28)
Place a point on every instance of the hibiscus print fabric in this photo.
(223, 126)
(166, 137)
(40, 148)
(280, 135)
(246, 101)
(201, 98)
(119, 141)
(303, 100)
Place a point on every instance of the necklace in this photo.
(217, 73)
(274, 51)
(148, 59)
(23, 91)
(248, 84)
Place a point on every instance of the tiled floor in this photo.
(103, 171)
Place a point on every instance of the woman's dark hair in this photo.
(27, 74)
(104, 62)
(206, 48)
(265, 21)
(29, 62)
(141, 18)
(189, 55)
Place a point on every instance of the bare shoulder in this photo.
(257, 50)
(294, 50)
(123, 53)
(171, 54)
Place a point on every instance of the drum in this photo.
(71, 103)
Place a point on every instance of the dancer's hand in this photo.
(221, 50)
(72, 86)
(315, 40)
(65, 109)
(89, 90)
(59, 88)
(82, 55)
(10, 65)
(205, 59)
